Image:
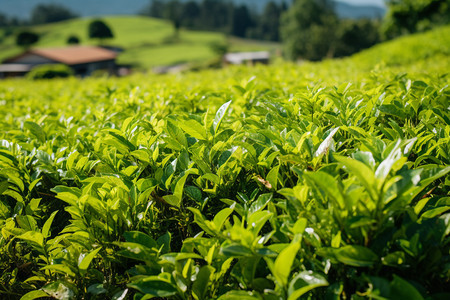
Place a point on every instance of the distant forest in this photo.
(234, 19)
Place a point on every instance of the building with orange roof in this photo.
(84, 60)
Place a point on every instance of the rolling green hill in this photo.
(408, 49)
(419, 53)
(148, 42)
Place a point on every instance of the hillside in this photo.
(148, 42)
(433, 46)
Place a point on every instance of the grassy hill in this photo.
(421, 53)
(148, 42)
(408, 49)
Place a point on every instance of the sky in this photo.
(365, 2)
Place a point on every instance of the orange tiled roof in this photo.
(75, 55)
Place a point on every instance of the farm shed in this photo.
(240, 58)
(84, 60)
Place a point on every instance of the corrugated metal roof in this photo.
(75, 55)
(240, 57)
(7, 68)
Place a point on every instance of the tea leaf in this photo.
(357, 256)
(304, 282)
(220, 114)
(284, 262)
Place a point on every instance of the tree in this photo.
(190, 14)
(409, 16)
(98, 29)
(73, 40)
(308, 30)
(355, 35)
(48, 13)
(4, 20)
(216, 15)
(241, 21)
(268, 24)
(155, 9)
(172, 12)
(26, 39)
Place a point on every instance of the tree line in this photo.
(310, 29)
(224, 16)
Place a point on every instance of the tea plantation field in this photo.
(321, 181)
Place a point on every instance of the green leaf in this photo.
(199, 288)
(212, 177)
(432, 213)
(326, 144)
(386, 165)
(257, 220)
(357, 256)
(336, 240)
(200, 220)
(328, 184)
(33, 237)
(164, 242)
(48, 224)
(121, 295)
(259, 204)
(69, 195)
(236, 250)
(194, 193)
(140, 238)
(86, 261)
(402, 289)
(394, 259)
(392, 110)
(34, 295)
(272, 177)
(97, 289)
(299, 226)
(35, 130)
(283, 263)
(364, 174)
(219, 116)
(154, 286)
(145, 184)
(117, 135)
(137, 251)
(62, 269)
(176, 133)
(60, 290)
(365, 157)
(304, 282)
(142, 155)
(221, 217)
(26, 222)
(238, 295)
(177, 196)
(180, 183)
(194, 129)
(172, 200)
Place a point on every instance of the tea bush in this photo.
(50, 71)
(322, 181)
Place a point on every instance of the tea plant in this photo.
(276, 182)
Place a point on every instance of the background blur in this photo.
(174, 35)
